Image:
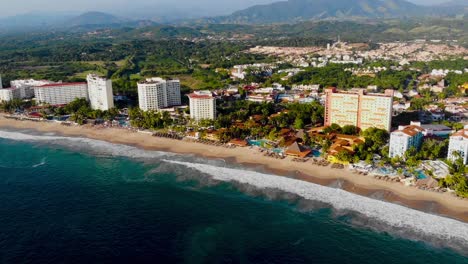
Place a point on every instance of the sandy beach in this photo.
(440, 203)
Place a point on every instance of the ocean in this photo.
(71, 200)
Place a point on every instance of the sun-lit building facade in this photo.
(359, 108)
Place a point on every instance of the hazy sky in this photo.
(13, 7)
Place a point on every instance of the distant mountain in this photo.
(456, 3)
(94, 18)
(302, 10)
(33, 20)
(98, 20)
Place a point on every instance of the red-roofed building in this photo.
(60, 93)
(202, 105)
(404, 138)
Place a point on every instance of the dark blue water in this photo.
(61, 206)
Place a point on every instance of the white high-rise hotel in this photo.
(157, 93)
(60, 93)
(202, 105)
(97, 90)
(100, 92)
(459, 144)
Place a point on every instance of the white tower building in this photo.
(100, 92)
(202, 105)
(157, 93)
(459, 144)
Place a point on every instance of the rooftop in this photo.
(461, 133)
(411, 130)
(61, 84)
(95, 76)
(297, 150)
(155, 80)
(359, 91)
(201, 95)
(436, 127)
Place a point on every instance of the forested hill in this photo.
(301, 10)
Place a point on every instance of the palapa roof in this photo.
(297, 150)
(300, 133)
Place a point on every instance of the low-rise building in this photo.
(438, 168)
(437, 130)
(259, 98)
(404, 138)
(9, 94)
(458, 146)
(26, 86)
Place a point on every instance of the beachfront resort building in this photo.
(202, 105)
(26, 86)
(100, 92)
(60, 93)
(359, 108)
(458, 146)
(20, 89)
(9, 94)
(157, 93)
(404, 138)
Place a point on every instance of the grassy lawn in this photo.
(119, 63)
(189, 81)
(82, 75)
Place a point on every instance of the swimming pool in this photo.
(258, 143)
(420, 175)
(277, 150)
(384, 171)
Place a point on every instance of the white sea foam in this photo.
(43, 162)
(392, 215)
(398, 217)
(101, 147)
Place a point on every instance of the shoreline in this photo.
(444, 204)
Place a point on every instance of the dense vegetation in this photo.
(124, 62)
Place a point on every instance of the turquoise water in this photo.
(61, 205)
(278, 150)
(258, 143)
(263, 143)
(421, 175)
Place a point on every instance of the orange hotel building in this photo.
(359, 108)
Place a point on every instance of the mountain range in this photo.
(288, 11)
(456, 3)
(303, 10)
(86, 21)
(95, 18)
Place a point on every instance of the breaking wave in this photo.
(95, 146)
(43, 162)
(376, 214)
(364, 211)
